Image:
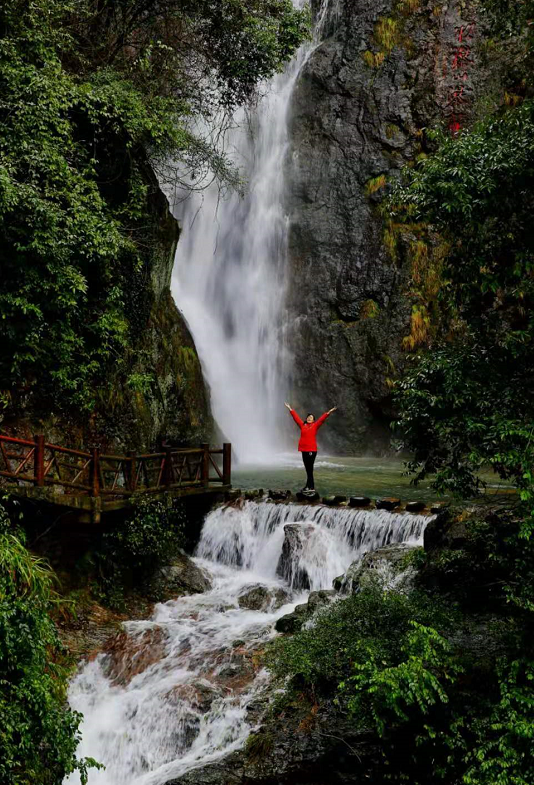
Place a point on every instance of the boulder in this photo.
(182, 576)
(390, 503)
(295, 537)
(319, 599)
(385, 565)
(262, 598)
(292, 622)
(359, 501)
(333, 501)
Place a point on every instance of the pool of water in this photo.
(374, 477)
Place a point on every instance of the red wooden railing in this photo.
(95, 473)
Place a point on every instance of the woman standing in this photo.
(307, 442)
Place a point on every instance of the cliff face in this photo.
(385, 71)
(165, 397)
(157, 390)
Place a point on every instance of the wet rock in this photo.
(199, 694)
(385, 565)
(333, 501)
(279, 496)
(319, 599)
(180, 577)
(390, 503)
(308, 496)
(262, 598)
(233, 494)
(237, 673)
(415, 506)
(128, 655)
(359, 501)
(253, 494)
(296, 535)
(292, 622)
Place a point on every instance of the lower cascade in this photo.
(184, 688)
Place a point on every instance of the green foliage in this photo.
(131, 551)
(397, 667)
(95, 97)
(370, 622)
(468, 401)
(502, 753)
(38, 732)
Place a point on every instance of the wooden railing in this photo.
(95, 473)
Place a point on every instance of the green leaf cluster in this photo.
(466, 400)
(131, 552)
(38, 732)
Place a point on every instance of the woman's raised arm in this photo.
(295, 416)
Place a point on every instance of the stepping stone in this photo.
(279, 496)
(388, 504)
(308, 496)
(334, 500)
(415, 506)
(359, 501)
(255, 493)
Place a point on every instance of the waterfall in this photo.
(230, 273)
(181, 690)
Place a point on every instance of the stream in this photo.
(182, 689)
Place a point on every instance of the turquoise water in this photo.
(374, 477)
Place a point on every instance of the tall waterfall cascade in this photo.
(181, 690)
(229, 277)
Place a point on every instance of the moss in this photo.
(392, 130)
(373, 59)
(375, 184)
(258, 746)
(370, 309)
(387, 33)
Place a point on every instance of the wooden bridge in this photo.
(97, 482)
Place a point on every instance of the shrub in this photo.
(38, 732)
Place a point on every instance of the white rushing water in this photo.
(179, 690)
(230, 271)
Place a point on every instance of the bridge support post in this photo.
(167, 468)
(205, 464)
(38, 460)
(132, 473)
(95, 471)
(227, 464)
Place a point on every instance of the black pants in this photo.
(309, 460)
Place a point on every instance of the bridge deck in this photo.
(95, 482)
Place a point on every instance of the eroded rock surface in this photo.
(387, 565)
(356, 122)
(262, 598)
(180, 577)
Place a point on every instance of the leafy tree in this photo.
(466, 399)
(96, 96)
(38, 732)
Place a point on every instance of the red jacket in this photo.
(307, 441)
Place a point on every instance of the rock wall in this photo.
(385, 70)
(158, 391)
